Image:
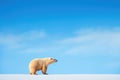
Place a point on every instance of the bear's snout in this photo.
(56, 60)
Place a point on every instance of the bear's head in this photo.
(51, 60)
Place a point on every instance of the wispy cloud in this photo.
(85, 42)
(19, 40)
(32, 50)
(93, 41)
(31, 35)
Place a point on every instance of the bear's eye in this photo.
(51, 58)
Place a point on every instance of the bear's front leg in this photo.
(44, 69)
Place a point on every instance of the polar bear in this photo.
(40, 64)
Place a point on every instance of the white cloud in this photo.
(31, 35)
(85, 42)
(93, 41)
(32, 50)
(19, 40)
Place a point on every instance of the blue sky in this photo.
(83, 35)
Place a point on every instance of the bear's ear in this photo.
(50, 58)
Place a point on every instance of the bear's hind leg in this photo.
(33, 72)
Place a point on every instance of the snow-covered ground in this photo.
(60, 77)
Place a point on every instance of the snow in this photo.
(60, 77)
